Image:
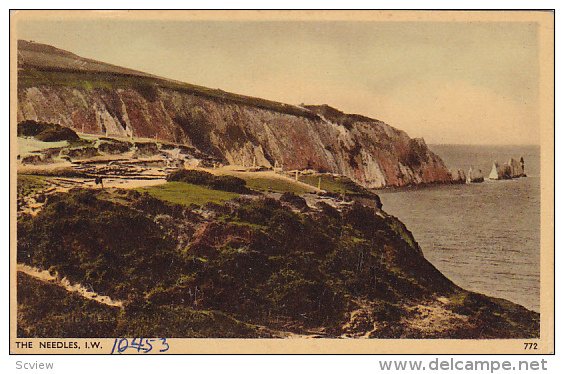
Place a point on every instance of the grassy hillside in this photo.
(68, 315)
(187, 194)
(264, 183)
(335, 184)
(230, 267)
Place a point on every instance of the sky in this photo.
(448, 82)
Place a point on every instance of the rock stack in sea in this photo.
(474, 176)
(458, 176)
(508, 170)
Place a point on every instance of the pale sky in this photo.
(449, 82)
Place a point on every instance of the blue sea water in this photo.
(485, 236)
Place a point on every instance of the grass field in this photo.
(187, 194)
(333, 184)
(264, 183)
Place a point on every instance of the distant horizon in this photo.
(486, 144)
(437, 81)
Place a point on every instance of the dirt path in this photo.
(45, 276)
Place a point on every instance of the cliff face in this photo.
(94, 97)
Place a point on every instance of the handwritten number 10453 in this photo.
(140, 345)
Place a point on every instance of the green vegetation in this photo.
(79, 152)
(187, 194)
(203, 178)
(115, 249)
(295, 201)
(185, 322)
(399, 228)
(336, 184)
(63, 171)
(265, 183)
(225, 268)
(336, 116)
(113, 146)
(270, 262)
(46, 132)
(68, 315)
(30, 184)
(47, 310)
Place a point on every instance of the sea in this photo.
(483, 236)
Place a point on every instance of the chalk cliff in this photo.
(57, 86)
(508, 170)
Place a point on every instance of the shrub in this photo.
(146, 149)
(363, 218)
(80, 152)
(46, 132)
(257, 211)
(111, 146)
(150, 92)
(203, 178)
(198, 177)
(304, 296)
(229, 183)
(294, 200)
(56, 134)
(30, 128)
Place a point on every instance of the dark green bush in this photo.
(257, 211)
(112, 146)
(56, 134)
(229, 183)
(203, 178)
(146, 148)
(30, 128)
(199, 177)
(296, 201)
(46, 132)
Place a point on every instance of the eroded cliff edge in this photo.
(57, 86)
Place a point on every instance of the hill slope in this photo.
(247, 267)
(57, 86)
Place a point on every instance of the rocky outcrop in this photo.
(458, 176)
(474, 176)
(97, 98)
(509, 170)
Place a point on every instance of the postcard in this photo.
(350, 182)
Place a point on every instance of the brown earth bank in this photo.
(252, 266)
(56, 86)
